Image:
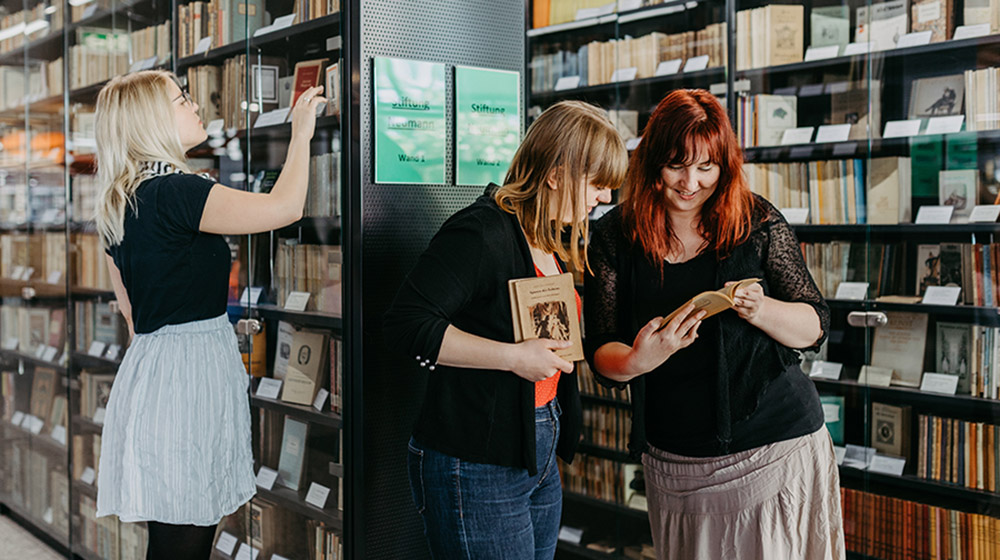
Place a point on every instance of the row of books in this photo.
(607, 426)
(39, 21)
(314, 269)
(43, 402)
(301, 359)
(596, 62)
(893, 529)
(152, 41)
(602, 479)
(33, 330)
(108, 538)
(37, 256)
(323, 197)
(959, 452)
(95, 390)
(290, 447)
(589, 385)
(37, 80)
(982, 106)
(86, 454)
(769, 36)
(327, 542)
(96, 322)
(34, 481)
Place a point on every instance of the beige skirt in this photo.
(778, 501)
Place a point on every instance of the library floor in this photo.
(18, 544)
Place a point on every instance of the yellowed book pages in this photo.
(934, 16)
(545, 307)
(305, 367)
(784, 25)
(713, 302)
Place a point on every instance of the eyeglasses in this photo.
(187, 99)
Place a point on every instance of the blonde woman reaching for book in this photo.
(737, 460)
(482, 457)
(176, 449)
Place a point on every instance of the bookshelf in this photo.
(867, 88)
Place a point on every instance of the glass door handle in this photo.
(866, 319)
(248, 326)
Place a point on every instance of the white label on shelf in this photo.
(17, 418)
(18, 272)
(858, 456)
(852, 290)
(89, 11)
(696, 64)
(970, 31)
(148, 63)
(36, 425)
(717, 89)
(901, 129)
(47, 516)
(985, 213)
(939, 383)
(632, 143)
(833, 133)
(942, 295)
(278, 557)
(875, 376)
(822, 53)
(928, 11)
(334, 43)
(852, 49)
(10, 343)
(934, 214)
(796, 215)
(916, 39)
(226, 543)
(88, 476)
(567, 82)
(668, 67)
(826, 370)
(113, 351)
(246, 552)
(570, 534)
(28, 273)
(59, 434)
(50, 353)
(214, 128)
(269, 388)
(320, 399)
(840, 86)
(297, 301)
(317, 495)
(96, 349)
(40, 351)
(203, 45)
(886, 464)
(839, 452)
(266, 478)
(263, 30)
(54, 277)
(627, 5)
(831, 412)
(250, 296)
(801, 135)
(945, 125)
(624, 74)
(587, 13)
(99, 415)
(283, 22)
(271, 118)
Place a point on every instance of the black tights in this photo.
(179, 542)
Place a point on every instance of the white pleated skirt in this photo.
(176, 444)
(778, 501)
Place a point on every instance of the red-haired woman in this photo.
(738, 463)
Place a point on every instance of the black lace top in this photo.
(761, 394)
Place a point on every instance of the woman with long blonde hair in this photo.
(176, 448)
(482, 456)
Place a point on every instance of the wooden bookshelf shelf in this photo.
(611, 507)
(87, 425)
(594, 24)
(295, 501)
(14, 355)
(862, 149)
(312, 319)
(302, 412)
(43, 290)
(83, 292)
(605, 453)
(7, 502)
(82, 487)
(580, 551)
(605, 400)
(92, 362)
(962, 405)
(606, 91)
(43, 441)
(987, 316)
(908, 487)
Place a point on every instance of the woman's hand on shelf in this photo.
(304, 113)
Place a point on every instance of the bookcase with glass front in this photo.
(873, 126)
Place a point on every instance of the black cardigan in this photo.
(748, 359)
(478, 415)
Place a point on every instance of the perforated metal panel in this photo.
(397, 223)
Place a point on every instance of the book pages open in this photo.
(712, 303)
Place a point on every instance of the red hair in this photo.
(686, 124)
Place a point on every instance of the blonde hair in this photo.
(577, 142)
(135, 124)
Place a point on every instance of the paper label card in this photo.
(226, 543)
(624, 74)
(915, 39)
(887, 465)
(246, 552)
(54, 277)
(901, 129)
(934, 214)
(113, 351)
(88, 476)
(796, 215)
(10, 343)
(831, 412)
(136, 66)
(570, 534)
(17, 418)
(826, 370)
(696, 64)
(852, 290)
(269, 388)
(567, 82)
(833, 133)
(59, 434)
(40, 351)
(278, 557)
(266, 478)
(939, 383)
(99, 415)
(945, 125)
(839, 452)
(50, 353)
(822, 53)
(272, 118)
(251, 295)
(283, 21)
(970, 31)
(47, 516)
(853, 49)
(668, 67)
(632, 143)
(17, 273)
(203, 45)
(28, 272)
(942, 295)
(297, 301)
(987, 214)
(858, 456)
(96, 349)
(875, 376)
(89, 11)
(320, 399)
(36, 425)
(214, 128)
(802, 135)
(317, 495)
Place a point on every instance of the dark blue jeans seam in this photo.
(461, 513)
(551, 458)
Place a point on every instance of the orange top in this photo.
(546, 389)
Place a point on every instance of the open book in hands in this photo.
(712, 302)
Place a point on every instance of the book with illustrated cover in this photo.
(891, 429)
(713, 302)
(953, 353)
(545, 307)
(900, 346)
(305, 367)
(958, 188)
(830, 25)
(928, 267)
(934, 16)
(881, 24)
(308, 73)
(43, 391)
(941, 96)
(293, 453)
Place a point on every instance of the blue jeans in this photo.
(477, 511)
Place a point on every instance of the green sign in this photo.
(409, 122)
(487, 124)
